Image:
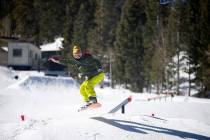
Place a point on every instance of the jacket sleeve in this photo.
(68, 61)
(72, 62)
(98, 64)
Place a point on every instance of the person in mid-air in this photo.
(89, 67)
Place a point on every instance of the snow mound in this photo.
(38, 82)
(7, 77)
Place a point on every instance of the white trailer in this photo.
(22, 55)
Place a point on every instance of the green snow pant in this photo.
(87, 87)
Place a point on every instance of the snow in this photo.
(184, 75)
(49, 105)
(5, 49)
(55, 46)
(7, 77)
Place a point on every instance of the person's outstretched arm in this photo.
(65, 62)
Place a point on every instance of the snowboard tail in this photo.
(92, 106)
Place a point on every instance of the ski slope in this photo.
(50, 105)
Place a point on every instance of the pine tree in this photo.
(25, 19)
(199, 42)
(159, 59)
(71, 11)
(150, 32)
(51, 18)
(174, 39)
(102, 36)
(5, 7)
(129, 45)
(6, 19)
(83, 24)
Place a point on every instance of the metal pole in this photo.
(123, 109)
(110, 66)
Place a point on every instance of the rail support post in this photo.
(121, 106)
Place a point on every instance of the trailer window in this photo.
(17, 52)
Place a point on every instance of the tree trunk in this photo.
(178, 65)
(189, 88)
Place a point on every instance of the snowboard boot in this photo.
(86, 104)
(92, 100)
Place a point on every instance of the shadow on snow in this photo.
(140, 128)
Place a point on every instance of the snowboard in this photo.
(92, 106)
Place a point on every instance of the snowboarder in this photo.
(89, 67)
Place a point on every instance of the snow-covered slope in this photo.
(50, 105)
(6, 77)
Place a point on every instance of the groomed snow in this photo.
(50, 105)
